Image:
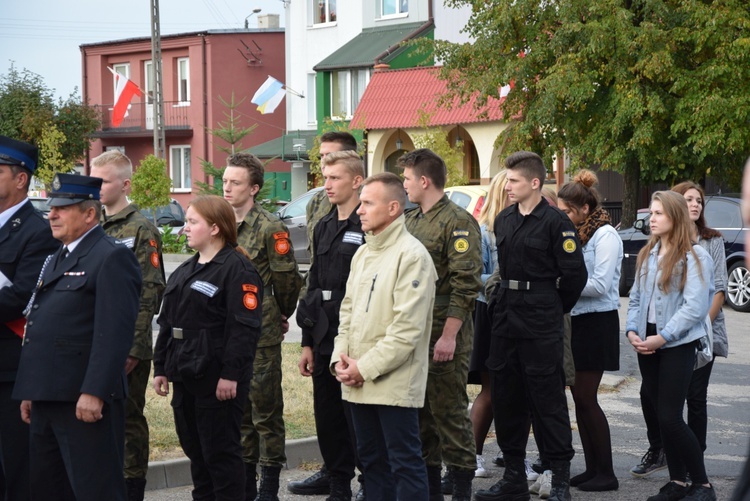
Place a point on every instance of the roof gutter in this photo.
(414, 34)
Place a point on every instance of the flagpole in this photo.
(294, 92)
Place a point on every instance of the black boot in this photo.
(269, 483)
(560, 481)
(341, 489)
(314, 485)
(512, 487)
(446, 483)
(462, 484)
(251, 482)
(136, 488)
(433, 482)
(361, 493)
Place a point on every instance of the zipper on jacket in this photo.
(372, 288)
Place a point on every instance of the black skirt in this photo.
(596, 341)
(481, 348)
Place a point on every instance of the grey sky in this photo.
(43, 36)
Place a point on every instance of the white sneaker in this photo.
(545, 486)
(530, 473)
(481, 472)
(534, 489)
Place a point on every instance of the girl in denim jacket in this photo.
(667, 315)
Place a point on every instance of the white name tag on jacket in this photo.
(204, 288)
(128, 242)
(352, 237)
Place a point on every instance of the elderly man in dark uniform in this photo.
(25, 241)
(80, 325)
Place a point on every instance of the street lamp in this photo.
(255, 11)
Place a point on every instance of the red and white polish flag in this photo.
(125, 89)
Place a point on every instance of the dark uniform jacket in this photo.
(25, 242)
(541, 248)
(335, 244)
(210, 322)
(453, 238)
(81, 323)
(137, 233)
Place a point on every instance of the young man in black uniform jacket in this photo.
(337, 236)
(543, 273)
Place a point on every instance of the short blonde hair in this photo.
(349, 159)
(121, 163)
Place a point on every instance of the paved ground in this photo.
(729, 425)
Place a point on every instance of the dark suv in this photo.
(723, 214)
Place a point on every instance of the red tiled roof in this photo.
(394, 98)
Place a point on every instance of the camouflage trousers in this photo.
(136, 427)
(263, 433)
(444, 424)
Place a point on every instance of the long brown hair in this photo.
(680, 241)
(703, 231)
(216, 210)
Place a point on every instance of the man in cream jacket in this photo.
(380, 354)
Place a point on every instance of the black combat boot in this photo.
(251, 482)
(341, 489)
(433, 482)
(269, 483)
(560, 481)
(314, 485)
(446, 483)
(136, 488)
(512, 487)
(462, 484)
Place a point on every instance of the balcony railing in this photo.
(142, 117)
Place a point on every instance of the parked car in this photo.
(172, 215)
(41, 205)
(294, 216)
(722, 213)
(470, 197)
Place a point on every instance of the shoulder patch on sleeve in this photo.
(249, 288)
(568, 234)
(155, 259)
(250, 301)
(460, 233)
(280, 234)
(461, 245)
(569, 245)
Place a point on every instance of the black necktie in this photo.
(63, 254)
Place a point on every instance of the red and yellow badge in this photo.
(250, 301)
(282, 245)
(249, 288)
(152, 243)
(155, 259)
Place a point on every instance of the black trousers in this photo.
(76, 461)
(14, 446)
(527, 376)
(333, 420)
(209, 433)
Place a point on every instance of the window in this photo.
(347, 88)
(179, 168)
(323, 11)
(148, 71)
(311, 117)
(121, 69)
(183, 81)
(394, 7)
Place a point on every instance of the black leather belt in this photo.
(179, 333)
(518, 285)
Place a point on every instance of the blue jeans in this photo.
(390, 451)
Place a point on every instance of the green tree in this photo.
(150, 184)
(231, 132)
(436, 139)
(658, 90)
(28, 112)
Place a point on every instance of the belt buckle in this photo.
(176, 333)
(514, 284)
(327, 295)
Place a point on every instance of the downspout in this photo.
(85, 99)
(206, 125)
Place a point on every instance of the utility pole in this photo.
(159, 141)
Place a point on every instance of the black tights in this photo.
(481, 412)
(593, 428)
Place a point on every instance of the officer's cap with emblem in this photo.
(69, 189)
(14, 152)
